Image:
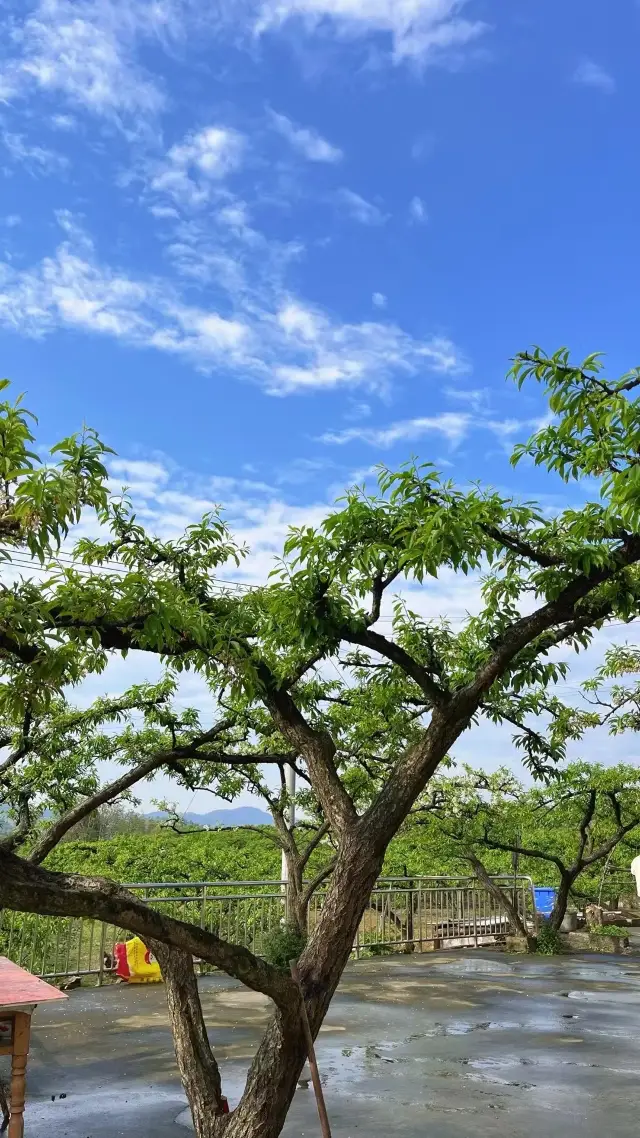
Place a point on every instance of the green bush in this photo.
(608, 930)
(549, 941)
(282, 945)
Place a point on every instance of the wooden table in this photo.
(19, 994)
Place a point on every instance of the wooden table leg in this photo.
(21, 1033)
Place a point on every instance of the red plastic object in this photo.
(225, 1105)
(122, 963)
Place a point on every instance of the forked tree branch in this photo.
(376, 642)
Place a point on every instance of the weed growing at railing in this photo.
(282, 945)
(549, 941)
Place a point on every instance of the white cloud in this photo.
(350, 355)
(418, 211)
(202, 159)
(306, 140)
(38, 159)
(64, 122)
(90, 52)
(591, 74)
(253, 330)
(164, 211)
(379, 300)
(477, 398)
(296, 320)
(418, 30)
(453, 426)
(142, 478)
(72, 289)
(11, 220)
(359, 208)
(84, 50)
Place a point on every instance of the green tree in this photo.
(567, 827)
(548, 582)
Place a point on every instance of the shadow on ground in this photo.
(450, 1045)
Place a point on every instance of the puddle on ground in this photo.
(472, 966)
(603, 996)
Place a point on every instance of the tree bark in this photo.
(562, 900)
(31, 889)
(198, 1069)
(282, 1053)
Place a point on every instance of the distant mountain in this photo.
(232, 816)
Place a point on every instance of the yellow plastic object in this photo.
(135, 963)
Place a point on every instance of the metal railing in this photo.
(403, 914)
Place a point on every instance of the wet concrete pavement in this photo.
(437, 1046)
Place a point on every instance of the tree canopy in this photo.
(368, 741)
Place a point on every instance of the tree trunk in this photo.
(198, 1068)
(276, 1068)
(562, 900)
(502, 897)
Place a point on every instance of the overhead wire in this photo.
(117, 568)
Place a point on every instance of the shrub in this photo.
(549, 941)
(282, 945)
(609, 930)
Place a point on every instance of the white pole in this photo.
(290, 776)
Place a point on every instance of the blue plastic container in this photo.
(545, 900)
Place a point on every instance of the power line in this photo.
(116, 568)
(107, 568)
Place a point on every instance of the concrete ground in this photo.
(445, 1045)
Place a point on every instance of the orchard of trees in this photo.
(300, 675)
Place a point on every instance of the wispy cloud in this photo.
(478, 398)
(590, 74)
(255, 331)
(379, 300)
(422, 31)
(37, 159)
(418, 211)
(305, 140)
(361, 210)
(193, 166)
(422, 146)
(451, 425)
(92, 52)
(84, 50)
(454, 426)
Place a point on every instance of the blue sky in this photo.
(263, 245)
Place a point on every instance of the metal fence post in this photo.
(103, 933)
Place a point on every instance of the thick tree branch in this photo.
(524, 548)
(562, 610)
(376, 642)
(607, 847)
(523, 851)
(317, 748)
(31, 889)
(381, 581)
(585, 822)
(501, 897)
(21, 831)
